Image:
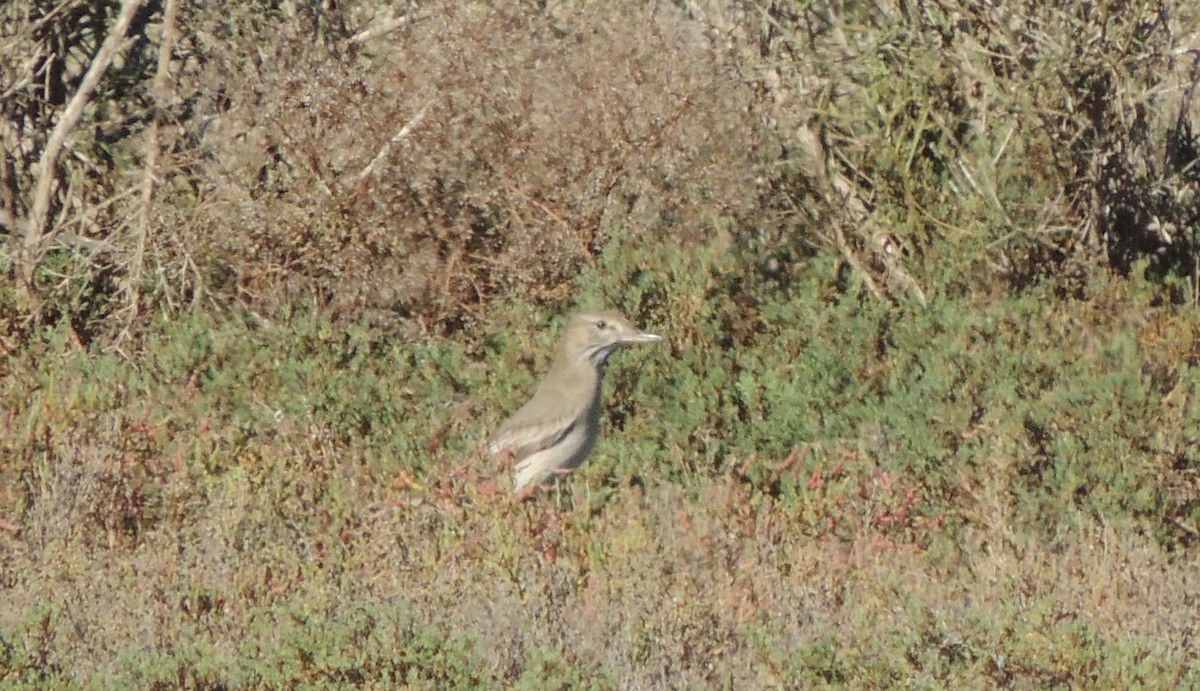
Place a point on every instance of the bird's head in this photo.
(594, 335)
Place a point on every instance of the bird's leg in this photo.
(527, 493)
(530, 491)
(533, 489)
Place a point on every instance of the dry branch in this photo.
(382, 29)
(150, 173)
(37, 237)
(391, 143)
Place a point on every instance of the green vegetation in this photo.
(927, 414)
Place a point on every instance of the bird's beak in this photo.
(642, 337)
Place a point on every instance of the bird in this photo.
(555, 430)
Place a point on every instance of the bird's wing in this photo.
(525, 434)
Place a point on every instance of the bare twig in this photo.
(382, 29)
(37, 237)
(863, 273)
(160, 93)
(396, 139)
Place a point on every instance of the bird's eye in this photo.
(602, 325)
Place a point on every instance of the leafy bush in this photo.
(926, 411)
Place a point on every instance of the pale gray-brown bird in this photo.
(555, 431)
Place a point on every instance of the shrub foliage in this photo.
(927, 412)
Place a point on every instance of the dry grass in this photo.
(646, 589)
(927, 416)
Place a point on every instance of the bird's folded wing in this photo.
(525, 436)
